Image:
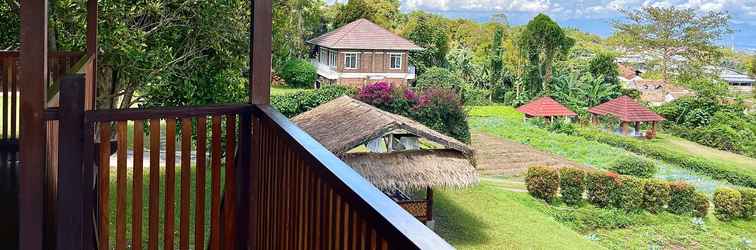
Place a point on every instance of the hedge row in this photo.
(732, 203)
(690, 162)
(608, 189)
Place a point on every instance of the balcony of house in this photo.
(331, 72)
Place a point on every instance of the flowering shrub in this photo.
(572, 185)
(442, 110)
(700, 205)
(542, 182)
(727, 204)
(683, 197)
(655, 195)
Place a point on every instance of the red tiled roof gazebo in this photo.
(627, 111)
(545, 107)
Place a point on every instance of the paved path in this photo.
(498, 156)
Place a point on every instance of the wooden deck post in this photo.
(260, 57)
(71, 215)
(92, 47)
(32, 143)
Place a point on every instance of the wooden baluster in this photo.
(104, 185)
(199, 221)
(121, 185)
(170, 181)
(154, 183)
(229, 194)
(136, 214)
(215, 193)
(6, 79)
(13, 78)
(186, 152)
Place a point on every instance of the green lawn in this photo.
(285, 90)
(726, 159)
(490, 216)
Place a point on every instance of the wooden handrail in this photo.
(164, 112)
(403, 229)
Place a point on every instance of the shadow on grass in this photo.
(455, 224)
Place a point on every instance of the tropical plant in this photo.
(542, 42)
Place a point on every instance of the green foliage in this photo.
(656, 195)
(429, 32)
(10, 25)
(442, 110)
(700, 205)
(600, 187)
(294, 22)
(603, 65)
(631, 193)
(581, 91)
(437, 77)
(298, 73)
(727, 204)
(748, 200)
(635, 166)
(291, 105)
(562, 126)
(382, 12)
(683, 198)
(542, 182)
(697, 164)
(572, 185)
(542, 42)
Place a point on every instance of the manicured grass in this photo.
(490, 216)
(726, 159)
(285, 90)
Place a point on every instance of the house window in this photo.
(351, 60)
(395, 61)
(323, 56)
(332, 58)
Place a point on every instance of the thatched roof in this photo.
(415, 169)
(345, 123)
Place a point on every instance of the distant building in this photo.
(360, 53)
(738, 81)
(655, 92)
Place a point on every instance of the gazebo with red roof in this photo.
(545, 107)
(627, 111)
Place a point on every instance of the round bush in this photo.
(727, 204)
(700, 205)
(655, 195)
(572, 185)
(437, 77)
(682, 197)
(600, 186)
(631, 193)
(748, 201)
(542, 182)
(635, 166)
(298, 73)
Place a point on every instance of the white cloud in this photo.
(479, 5)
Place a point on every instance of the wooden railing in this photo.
(256, 180)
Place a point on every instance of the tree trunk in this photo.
(547, 73)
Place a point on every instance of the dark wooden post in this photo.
(637, 127)
(429, 196)
(242, 175)
(32, 144)
(92, 45)
(653, 129)
(70, 208)
(624, 127)
(260, 57)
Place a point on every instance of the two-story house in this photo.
(360, 53)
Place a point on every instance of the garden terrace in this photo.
(246, 177)
(627, 111)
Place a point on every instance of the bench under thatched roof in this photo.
(414, 169)
(345, 123)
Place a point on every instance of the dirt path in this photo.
(498, 156)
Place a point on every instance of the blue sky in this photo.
(591, 15)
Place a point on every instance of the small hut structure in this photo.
(627, 111)
(385, 149)
(545, 107)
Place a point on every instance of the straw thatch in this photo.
(415, 169)
(345, 123)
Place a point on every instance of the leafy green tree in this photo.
(429, 32)
(9, 24)
(382, 12)
(299, 73)
(437, 77)
(542, 42)
(295, 21)
(604, 65)
(496, 57)
(753, 65)
(670, 32)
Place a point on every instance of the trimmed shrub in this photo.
(748, 200)
(298, 73)
(635, 166)
(655, 195)
(572, 185)
(293, 104)
(600, 186)
(542, 182)
(630, 193)
(683, 197)
(700, 205)
(727, 204)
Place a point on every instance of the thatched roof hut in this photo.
(345, 123)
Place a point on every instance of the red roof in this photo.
(626, 109)
(545, 106)
(363, 34)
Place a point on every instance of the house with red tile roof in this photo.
(361, 53)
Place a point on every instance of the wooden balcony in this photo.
(232, 176)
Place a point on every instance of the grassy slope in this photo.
(488, 217)
(726, 159)
(284, 90)
(491, 217)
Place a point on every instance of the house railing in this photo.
(255, 180)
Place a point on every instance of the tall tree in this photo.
(603, 65)
(670, 32)
(295, 21)
(382, 12)
(9, 24)
(429, 32)
(496, 57)
(543, 41)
